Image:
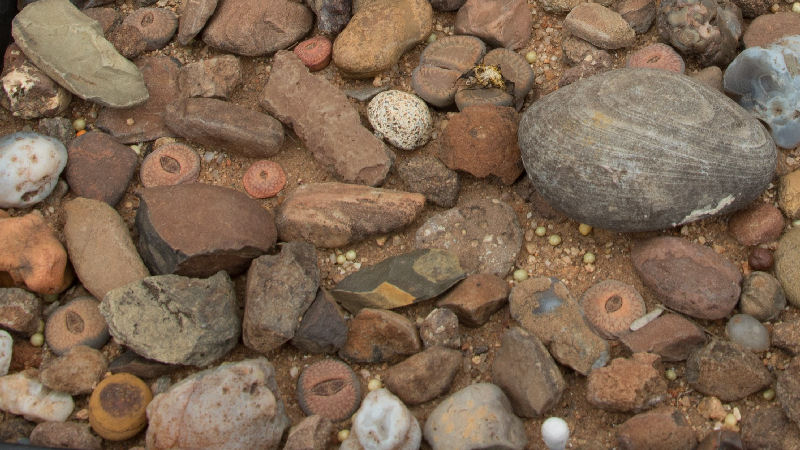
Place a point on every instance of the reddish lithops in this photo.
(329, 388)
(611, 306)
(264, 179)
(657, 56)
(170, 164)
(315, 53)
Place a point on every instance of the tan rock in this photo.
(501, 23)
(32, 256)
(600, 26)
(789, 194)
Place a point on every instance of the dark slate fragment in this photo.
(323, 329)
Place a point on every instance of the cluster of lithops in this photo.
(709, 29)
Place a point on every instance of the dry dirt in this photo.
(591, 428)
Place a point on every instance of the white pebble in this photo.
(384, 423)
(6, 346)
(555, 433)
(403, 119)
(29, 167)
(25, 396)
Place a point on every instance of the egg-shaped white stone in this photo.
(30, 164)
(403, 119)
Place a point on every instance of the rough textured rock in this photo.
(627, 385)
(311, 433)
(332, 15)
(753, 8)
(688, 277)
(376, 335)
(440, 328)
(219, 124)
(213, 77)
(338, 142)
(255, 28)
(54, 33)
(786, 335)
(6, 352)
(478, 416)
(32, 255)
(23, 395)
(759, 224)
(29, 93)
(424, 376)
(99, 167)
(638, 13)
(198, 229)
(20, 310)
(789, 194)
(323, 328)
(663, 428)
(727, 371)
(787, 265)
(130, 362)
(600, 26)
(337, 214)
(788, 390)
(762, 296)
(667, 128)
(235, 405)
(65, 435)
(526, 372)
(766, 29)
(77, 372)
(670, 336)
(426, 175)
(501, 23)
(708, 29)
(280, 288)
(399, 280)
(476, 298)
(193, 17)
(144, 316)
(768, 428)
(379, 33)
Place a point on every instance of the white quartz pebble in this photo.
(22, 395)
(29, 167)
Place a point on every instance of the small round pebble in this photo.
(589, 258)
(30, 164)
(79, 322)
(730, 420)
(760, 259)
(432, 38)
(264, 179)
(342, 435)
(520, 275)
(611, 306)
(671, 374)
(555, 433)
(540, 231)
(350, 255)
(748, 332)
(796, 7)
(117, 406)
(403, 119)
(79, 124)
(315, 53)
(37, 339)
(329, 388)
(170, 164)
(530, 57)
(584, 229)
(657, 56)
(341, 259)
(374, 384)
(554, 240)
(769, 394)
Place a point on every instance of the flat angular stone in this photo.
(399, 280)
(670, 336)
(727, 371)
(424, 376)
(476, 298)
(219, 124)
(280, 288)
(214, 77)
(427, 175)
(198, 229)
(145, 315)
(20, 310)
(501, 23)
(70, 48)
(338, 142)
(627, 385)
(99, 167)
(665, 427)
(377, 335)
(600, 26)
(336, 214)
(323, 328)
(193, 17)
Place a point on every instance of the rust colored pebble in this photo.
(264, 179)
(117, 406)
(760, 259)
(169, 165)
(315, 53)
(657, 56)
(329, 388)
(79, 322)
(611, 306)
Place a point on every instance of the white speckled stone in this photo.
(6, 346)
(401, 118)
(29, 167)
(20, 394)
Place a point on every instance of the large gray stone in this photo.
(70, 48)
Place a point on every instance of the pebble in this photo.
(762, 296)
(330, 389)
(671, 336)
(65, 435)
(157, 26)
(710, 76)
(786, 335)
(789, 194)
(170, 164)
(25, 356)
(79, 322)
(600, 26)
(665, 427)
(311, 433)
(788, 390)
(476, 298)
(760, 224)
(727, 371)
(192, 18)
(76, 372)
(501, 23)
(611, 306)
(627, 385)
(377, 335)
(768, 428)
(213, 77)
(57, 127)
(402, 119)
(760, 259)
(323, 328)
(315, 53)
(768, 28)
(787, 265)
(20, 310)
(440, 328)
(384, 422)
(6, 351)
(264, 179)
(656, 56)
(99, 167)
(332, 15)
(424, 376)
(23, 395)
(29, 167)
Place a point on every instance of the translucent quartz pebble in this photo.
(767, 81)
(383, 423)
(748, 332)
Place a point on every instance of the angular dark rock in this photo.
(332, 15)
(214, 77)
(476, 298)
(323, 328)
(20, 310)
(426, 175)
(193, 17)
(99, 167)
(670, 336)
(726, 371)
(627, 385)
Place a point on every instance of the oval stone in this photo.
(643, 149)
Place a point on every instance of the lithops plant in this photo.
(767, 83)
(709, 29)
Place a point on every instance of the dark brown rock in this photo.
(146, 121)
(760, 259)
(768, 428)
(130, 362)
(476, 298)
(107, 17)
(193, 17)
(20, 311)
(99, 167)
(214, 77)
(157, 26)
(753, 8)
(501, 23)
(688, 277)
(127, 40)
(65, 435)
(664, 428)
(234, 128)
(727, 371)
(786, 335)
(670, 336)
(526, 372)
(762, 296)
(59, 128)
(627, 385)
(424, 376)
(323, 328)
(721, 440)
(447, 5)
(338, 142)
(336, 214)
(313, 432)
(377, 335)
(427, 175)
(769, 28)
(788, 390)
(14, 429)
(197, 229)
(440, 328)
(638, 13)
(25, 356)
(76, 373)
(759, 224)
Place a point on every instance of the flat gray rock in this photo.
(70, 48)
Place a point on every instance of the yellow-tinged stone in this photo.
(117, 407)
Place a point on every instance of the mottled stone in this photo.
(501, 23)
(377, 335)
(427, 175)
(670, 336)
(20, 310)
(440, 328)
(29, 167)
(476, 298)
(332, 15)
(32, 256)
(638, 13)
(787, 265)
(762, 296)
(323, 328)
(768, 428)
(627, 385)
(759, 224)
(213, 77)
(313, 432)
(29, 93)
(424, 376)
(99, 167)
(788, 390)
(23, 395)
(766, 29)
(599, 25)
(786, 335)
(662, 428)
(727, 371)
(193, 17)
(65, 435)
(77, 372)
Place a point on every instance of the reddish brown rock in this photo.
(688, 277)
(727, 371)
(25, 356)
(627, 385)
(339, 142)
(313, 432)
(670, 336)
(501, 23)
(20, 311)
(786, 335)
(440, 328)
(768, 428)
(664, 428)
(769, 28)
(476, 298)
(107, 17)
(213, 77)
(377, 335)
(721, 440)
(193, 17)
(65, 435)
(76, 373)
(759, 224)
(32, 256)
(788, 390)
(99, 167)
(760, 259)
(127, 40)
(424, 376)
(336, 214)
(482, 140)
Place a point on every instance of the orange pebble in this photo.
(117, 407)
(80, 133)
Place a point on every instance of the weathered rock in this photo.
(399, 280)
(157, 26)
(6, 352)
(79, 322)
(65, 435)
(77, 372)
(214, 77)
(311, 433)
(424, 376)
(476, 298)
(99, 167)
(15, 428)
(144, 315)
(383, 421)
(638, 13)
(32, 256)
(323, 328)
(721, 440)
(280, 288)
(711, 76)
(600, 26)
(688, 277)
(29, 167)
(29, 94)
(485, 234)
(787, 265)
(545, 308)
(107, 17)
(376, 335)
(59, 128)
(128, 41)
(193, 17)
(255, 28)
(401, 118)
(501, 23)
(235, 405)
(585, 69)
(762, 296)
(219, 124)
(20, 311)
(426, 175)
(54, 35)
(692, 32)
(768, 428)
(789, 194)
(332, 15)
(559, 6)
(670, 336)
(338, 142)
(759, 224)
(22, 394)
(766, 29)
(337, 214)
(753, 8)
(440, 328)
(198, 229)
(478, 416)
(727, 371)
(662, 428)
(786, 335)
(788, 390)
(130, 362)
(627, 385)
(665, 128)
(379, 33)
(146, 121)
(527, 374)
(447, 5)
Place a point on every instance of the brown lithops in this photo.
(157, 26)
(117, 407)
(79, 322)
(329, 388)
(170, 164)
(657, 56)
(264, 179)
(611, 306)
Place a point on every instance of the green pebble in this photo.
(79, 124)
(589, 258)
(554, 240)
(671, 374)
(531, 57)
(40, 326)
(50, 298)
(350, 255)
(540, 231)
(520, 275)
(796, 223)
(37, 340)
(340, 259)
(769, 394)
(432, 38)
